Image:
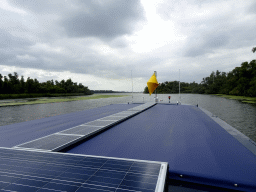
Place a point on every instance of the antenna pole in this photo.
(156, 88)
(179, 83)
(132, 86)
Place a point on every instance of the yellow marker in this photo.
(152, 84)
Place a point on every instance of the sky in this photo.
(117, 44)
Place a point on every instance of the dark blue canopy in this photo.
(184, 136)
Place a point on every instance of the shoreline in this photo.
(32, 101)
(243, 99)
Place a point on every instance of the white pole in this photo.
(132, 86)
(156, 100)
(179, 83)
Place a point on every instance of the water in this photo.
(239, 115)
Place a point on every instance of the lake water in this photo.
(241, 116)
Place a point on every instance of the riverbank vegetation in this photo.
(54, 100)
(12, 87)
(241, 81)
(240, 98)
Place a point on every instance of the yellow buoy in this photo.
(152, 84)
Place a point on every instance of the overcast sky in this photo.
(98, 42)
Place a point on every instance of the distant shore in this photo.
(241, 98)
(36, 95)
(31, 101)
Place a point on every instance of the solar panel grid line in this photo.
(69, 128)
(101, 123)
(124, 177)
(126, 113)
(50, 142)
(80, 129)
(98, 188)
(106, 120)
(111, 161)
(60, 147)
(68, 143)
(33, 140)
(44, 178)
(88, 134)
(30, 149)
(135, 109)
(95, 172)
(118, 116)
(26, 188)
(83, 136)
(91, 125)
(59, 133)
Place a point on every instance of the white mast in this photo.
(132, 86)
(179, 83)
(156, 99)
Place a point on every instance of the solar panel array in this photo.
(63, 139)
(29, 171)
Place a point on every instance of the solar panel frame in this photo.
(53, 165)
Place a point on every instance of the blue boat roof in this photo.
(196, 147)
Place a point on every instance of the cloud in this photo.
(103, 19)
(211, 25)
(201, 44)
(9, 42)
(102, 41)
(40, 7)
(252, 8)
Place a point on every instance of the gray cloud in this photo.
(8, 41)
(103, 19)
(252, 8)
(205, 43)
(40, 7)
(100, 37)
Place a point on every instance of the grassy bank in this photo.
(240, 98)
(55, 100)
(34, 95)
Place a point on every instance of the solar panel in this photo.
(142, 107)
(51, 142)
(49, 171)
(60, 140)
(116, 118)
(125, 113)
(100, 123)
(81, 130)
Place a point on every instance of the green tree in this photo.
(1, 84)
(146, 90)
(29, 85)
(22, 85)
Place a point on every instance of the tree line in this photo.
(11, 84)
(241, 81)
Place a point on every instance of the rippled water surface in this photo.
(241, 116)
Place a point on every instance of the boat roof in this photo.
(196, 147)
